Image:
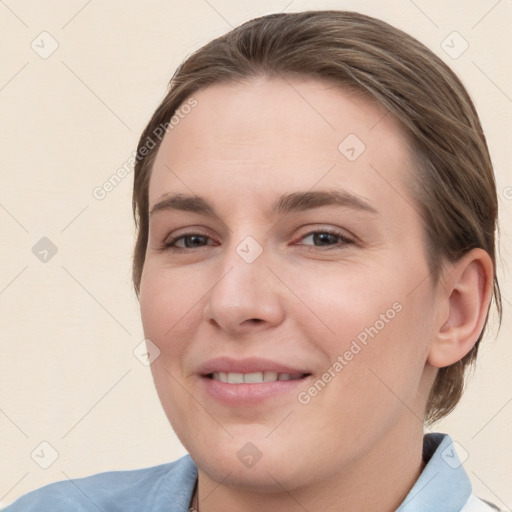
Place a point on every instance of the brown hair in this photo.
(454, 187)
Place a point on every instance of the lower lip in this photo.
(249, 394)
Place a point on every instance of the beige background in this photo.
(68, 375)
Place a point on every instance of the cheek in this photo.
(375, 333)
(167, 312)
(348, 304)
(167, 300)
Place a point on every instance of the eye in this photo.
(190, 240)
(329, 238)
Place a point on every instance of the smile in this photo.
(254, 377)
(250, 381)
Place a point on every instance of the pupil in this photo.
(322, 237)
(190, 240)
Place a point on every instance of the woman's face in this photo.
(300, 257)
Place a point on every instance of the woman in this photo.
(315, 262)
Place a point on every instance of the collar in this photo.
(443, 484)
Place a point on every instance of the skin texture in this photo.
(302, 301)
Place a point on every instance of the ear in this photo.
(464, 296)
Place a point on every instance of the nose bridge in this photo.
(244, 290)
(243, 272)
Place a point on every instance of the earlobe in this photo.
(464, 299)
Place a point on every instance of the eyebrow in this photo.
(284, 204)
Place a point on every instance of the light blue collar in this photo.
(443, 484)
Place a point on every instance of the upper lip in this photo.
(247, 365)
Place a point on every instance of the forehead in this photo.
(264, 137)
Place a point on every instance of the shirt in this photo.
(443, 486)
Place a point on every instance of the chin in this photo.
(268, 475)
(248, 459)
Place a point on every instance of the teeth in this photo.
(235, 378)
(253, 378)
(270, 376)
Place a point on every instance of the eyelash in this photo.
(169, 244)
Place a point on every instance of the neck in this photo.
(378, 481)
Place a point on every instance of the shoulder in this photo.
(151, 488)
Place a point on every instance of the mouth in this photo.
(251, 381)
(255, 377)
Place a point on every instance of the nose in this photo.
(247, 295)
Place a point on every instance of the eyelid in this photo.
(188, 230)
